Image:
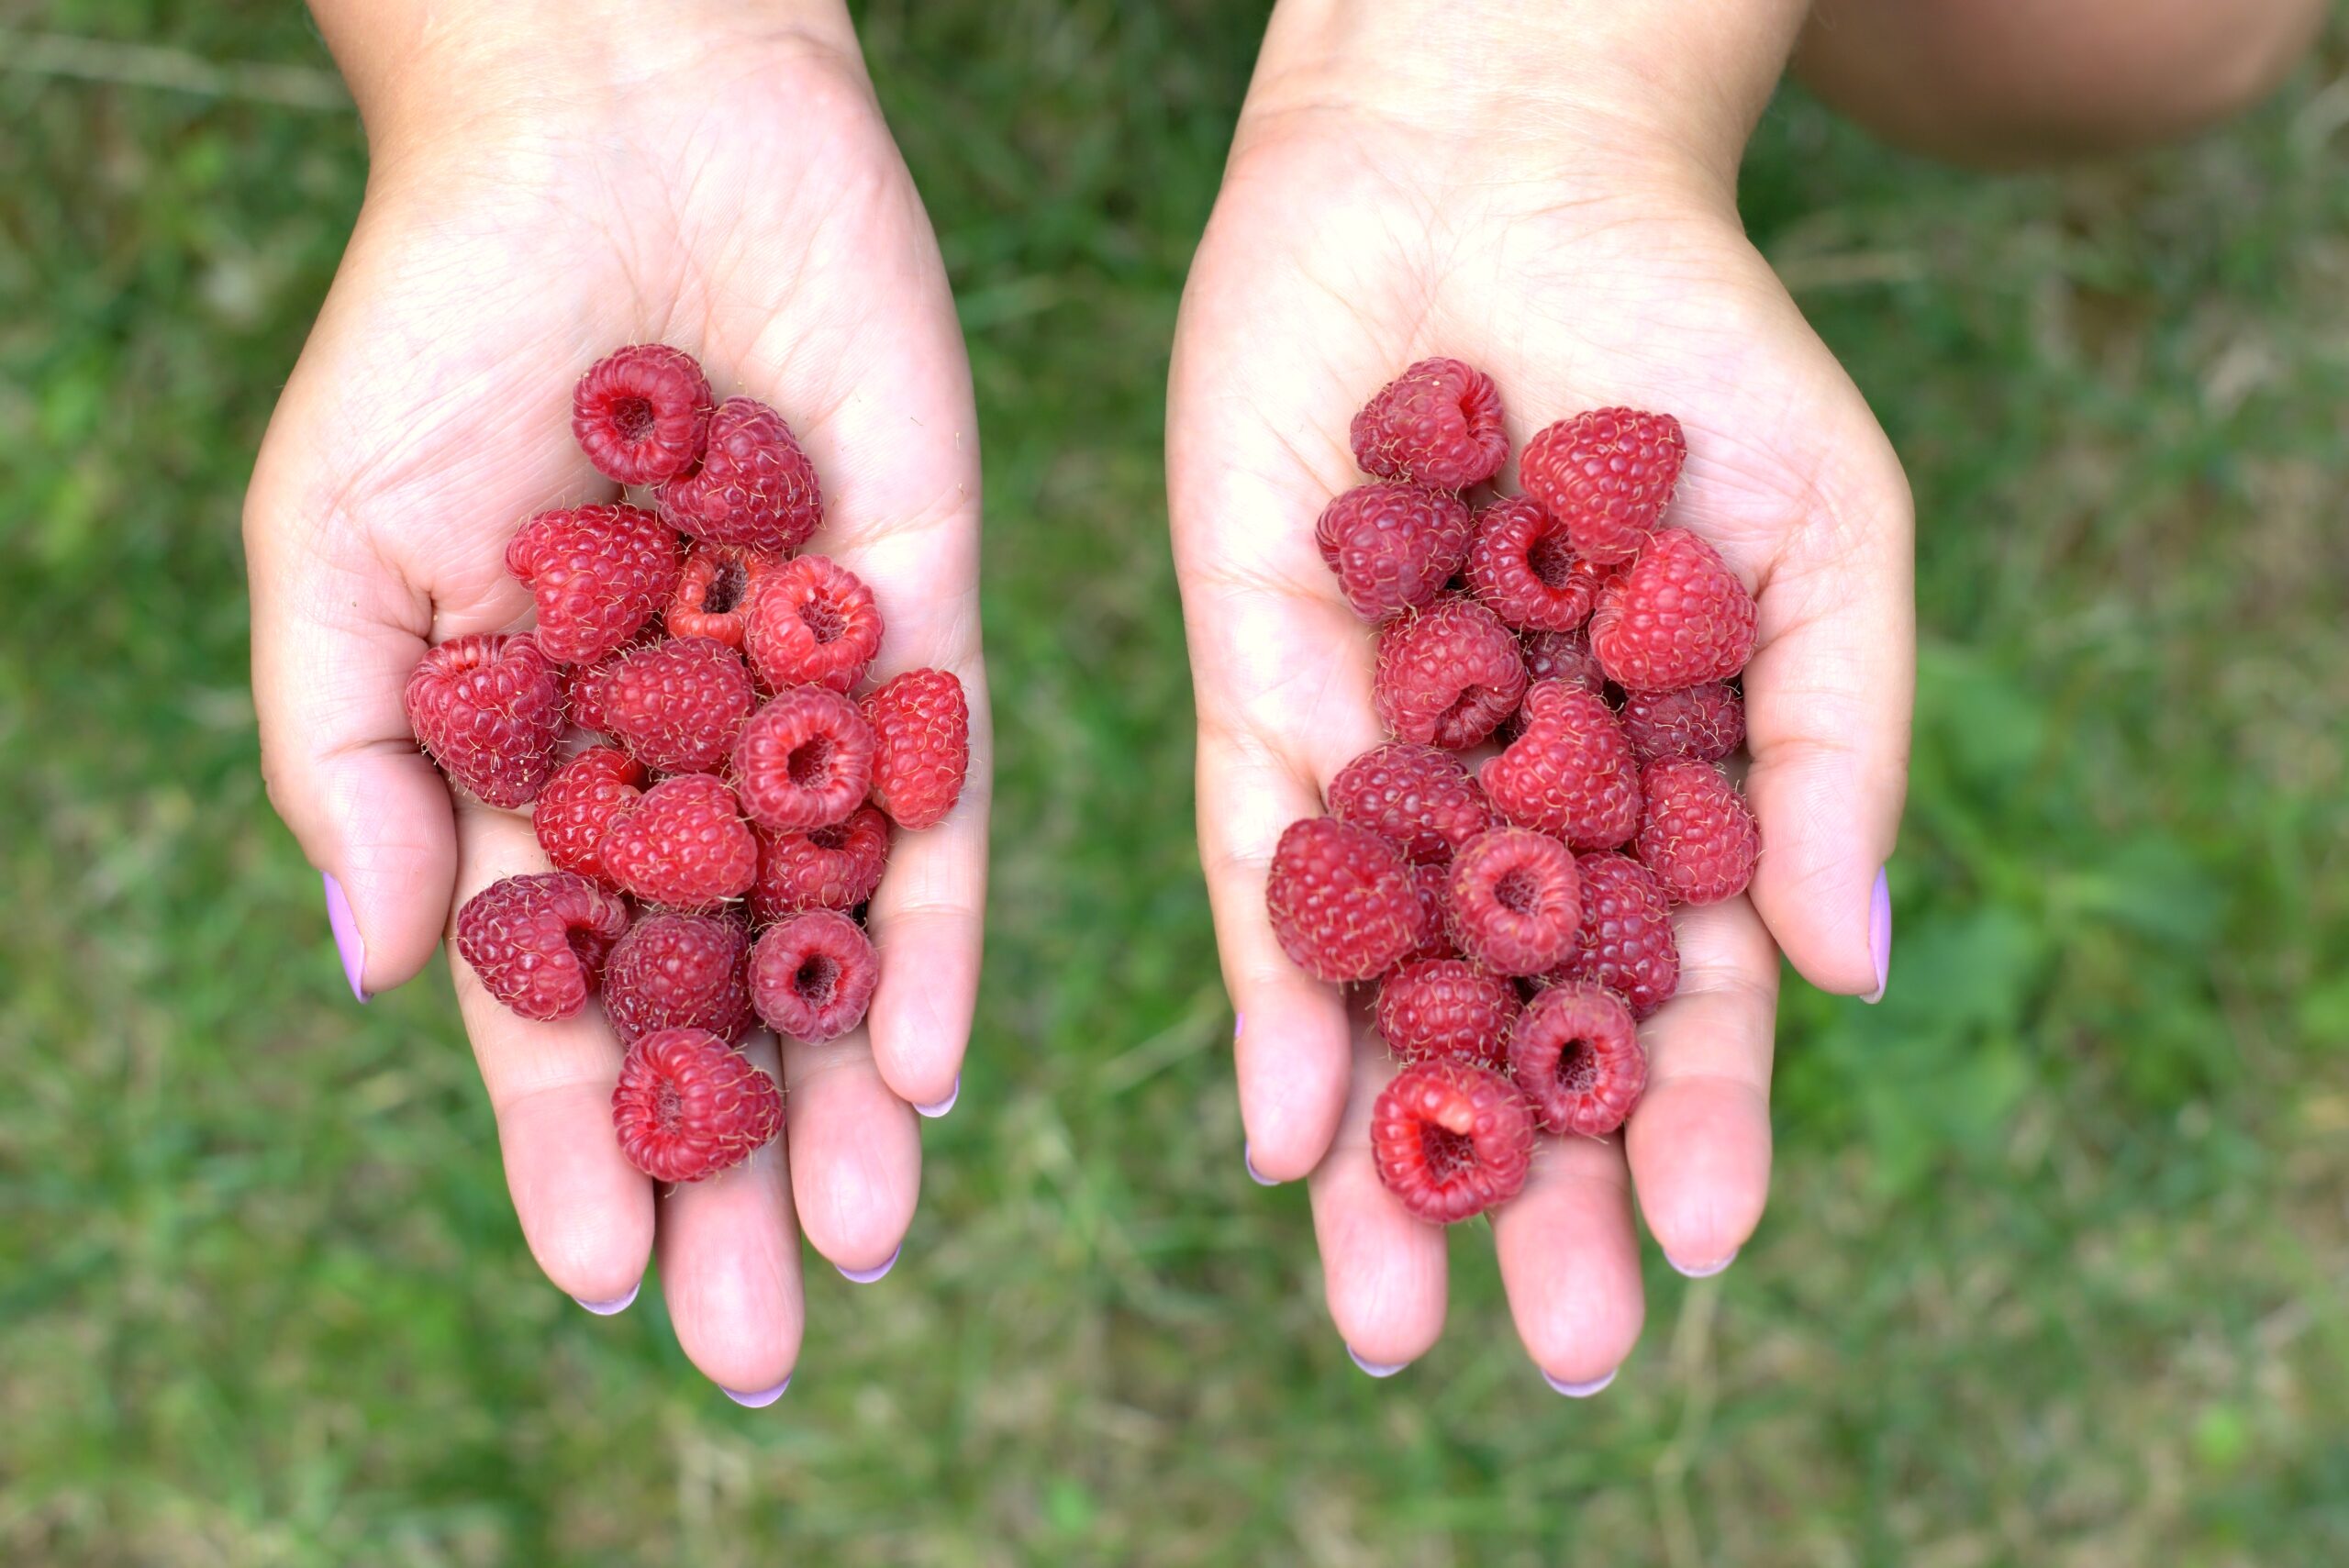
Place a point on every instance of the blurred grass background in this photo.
(2057, 1268)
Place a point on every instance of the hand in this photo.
(1407, 182)
(550, 183)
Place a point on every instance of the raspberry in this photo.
(1519, 567)
(689, 1105)
(1392, 546)
(1570, 773)
(598, 574)
(1563, 656)
(714, 590)
(1607, 475)
(676, 705)
(1447, 1007)
(1678, 618)
(583, 683)
(803, 761)
(1705, 722)
(1438, 423)
(1447, 676)
(1515, 901)
(812, 976)
(682, 844)
(488, 709)
(921, 745)
(755, 489)
(1341, 900)
(679, 972)
(1577, 1055)
(829, 868)
(1418, 797)
(538, 943)
(578, 804)
(1432, 883)
(1695, 831)
(642, 415)
(811, 623)
(1626, 942)
(1451, 1140)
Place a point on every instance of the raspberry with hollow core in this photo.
(1451, 1140)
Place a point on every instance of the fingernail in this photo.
(616, 1304)
(760, 1400)
(1880, 936)
(1236, 1021)
(1375, 1369)
(347, 940)
(942, 1106)
(1255, 1175)
(1700, 1271)
(866, 1276)
(1579, 1390)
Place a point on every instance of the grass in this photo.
(2056, 1266)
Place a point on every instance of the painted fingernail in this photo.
(1375, 1369)
(942, 1106)
(1700, 1271)
(1880, 936)
(347, 940)
(760, 1400)
(1579, 1390)
(1255, 1175)
(1237, 1019)
(866, 1276)
(616, 1304)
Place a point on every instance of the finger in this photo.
(1384, 1272)
(1699, 1140)
(855, 1153)
(1570, 1264)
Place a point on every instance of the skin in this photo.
(549, 182)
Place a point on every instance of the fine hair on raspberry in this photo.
(1515, 901)
(689, 1105)
(1451, 1140)
(812, 977)
(1575, 1052)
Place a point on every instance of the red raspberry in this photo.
(1438, 423)
(682, 844)
(812, 977)
(1695, 831)
(755, 489)
(1678, 618)
(1447, 1007)
(689, 1105)
(1447, 676)
(1571, 774)
(1705, 722)
(921, 745)
(642, 414)
(538, 943)
(1515, 901)
(679, 972)
(828, 868)
(714, 590)
(1432, 883)
(1452, 1139)
(1626, 942)
(489, 710)
(1341, 900)
(676, 705)
(1563, 656)
(1607, 475)
(811, 623)
(581, 683)
(578, 804)
(598, 574)
(1392, 546)
(1576, 1055)
(1418, 797)
(1519, 567)
(805, 760)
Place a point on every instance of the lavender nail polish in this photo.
(1881, 935)
(942, 1106)
(1255, 1175)
(1579, 1390)
(1375, 1369)
(616, 1305)
(347, 940)
(1700, 1271)
(760, 1400)
(866, 1276)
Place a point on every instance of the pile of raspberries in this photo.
(715, 837)
(1517, 919)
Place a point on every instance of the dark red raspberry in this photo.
(642, 415)
(1695, 831)
(811, 623)
(755, 489)
(1576, 1055)
(828, 868)
(1705, 722)
(1419, 797)
(714, 590)
(1451, 1140)
(1563, 656)
(1626, 942)
(489, 710)
(1432, 883)
(676, 705)
(1678, 618)
(598, 574)
(1447, 1007)
(1447, 676)
(1607, 475)
(1520, 568)
(680, 972)
(1438, 423)
(1515, 901)
(538, 943)
(1341, 900)
(1570, 773)
(921, 745)
(812, 976)
(689, 1105)
(682, 845)
(578, 804)
(805, 760)
(1392, 546)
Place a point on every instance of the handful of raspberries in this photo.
(713, 846)
(1517, 919)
